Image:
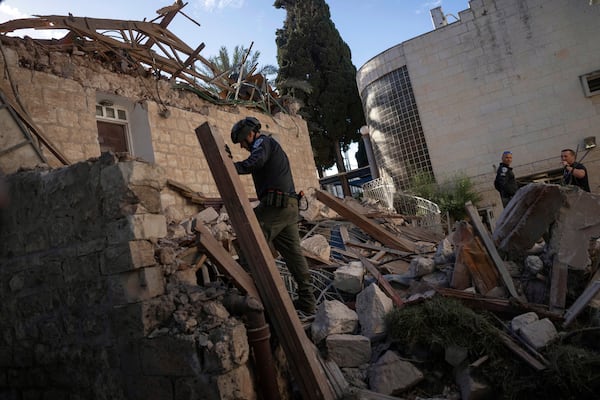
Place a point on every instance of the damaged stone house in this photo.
(501, 75)
(110, 290)
(103, 132)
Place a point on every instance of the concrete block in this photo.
(333, 316)
(126, 257)
(349, 278)
(146, 226)
(539, 333)
(207, 215)
(371, 306)
(137, 285)
(349, 350)
(230, 348)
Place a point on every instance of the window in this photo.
(113, 129)
(591, 83)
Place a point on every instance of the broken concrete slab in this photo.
(391, 375)
(577, 222)
(539, 333)
(527, 217)
(318, 245)
(371, 306)
(521, 320)
(333, 316)
(348, 350)
(349, 278)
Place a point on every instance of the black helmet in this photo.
(242, 128)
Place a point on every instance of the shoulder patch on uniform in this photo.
(504, 170)
(258, 141)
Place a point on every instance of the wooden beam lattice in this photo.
(137, 39)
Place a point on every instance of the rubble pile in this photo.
(459, 332)
(127, 300)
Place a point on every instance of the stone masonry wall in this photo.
(59, 92)
(92, 302)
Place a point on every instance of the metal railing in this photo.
(382, 190)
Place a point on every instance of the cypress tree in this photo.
(309, 48)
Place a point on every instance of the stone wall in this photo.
(60, 92)
(94, 303)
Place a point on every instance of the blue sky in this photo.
(368, 27)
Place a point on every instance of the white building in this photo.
(519, 75)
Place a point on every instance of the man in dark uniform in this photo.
(505, 182)
(277, 212)
(574, 173)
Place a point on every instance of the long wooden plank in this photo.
(367, 246)
(558, 286)
(524, 355)
(364, 223)
(491, 249)
(21, 116)
(304, 362)
(225, 262)
(471, 253)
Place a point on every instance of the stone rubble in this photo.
(144, 271)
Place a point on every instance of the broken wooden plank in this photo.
(471, 254)
(496, 304)
(313, 258)
(519, 351)
(20, 115)
(224, 261)
(385, 285)
(491, 249)
(303, 358)
(558, 286)
(385, 250)
(588, 294)
(372, 229)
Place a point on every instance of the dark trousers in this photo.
(280, 227)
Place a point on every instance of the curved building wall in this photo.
(395, 127)
(507, 75)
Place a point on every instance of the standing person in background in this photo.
(574, 173)
(277, 212)
(505, 182)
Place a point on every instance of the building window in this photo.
(591, 83)
(113, 128)
(398, 139)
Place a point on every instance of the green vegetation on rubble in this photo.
(573, 373)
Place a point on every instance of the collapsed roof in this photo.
(149, 48)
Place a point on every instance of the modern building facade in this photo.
(519, 75)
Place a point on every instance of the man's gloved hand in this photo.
(228, 151)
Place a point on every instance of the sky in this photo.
(368, 27)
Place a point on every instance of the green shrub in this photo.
(450, 195)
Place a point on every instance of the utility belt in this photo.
(279, 199)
